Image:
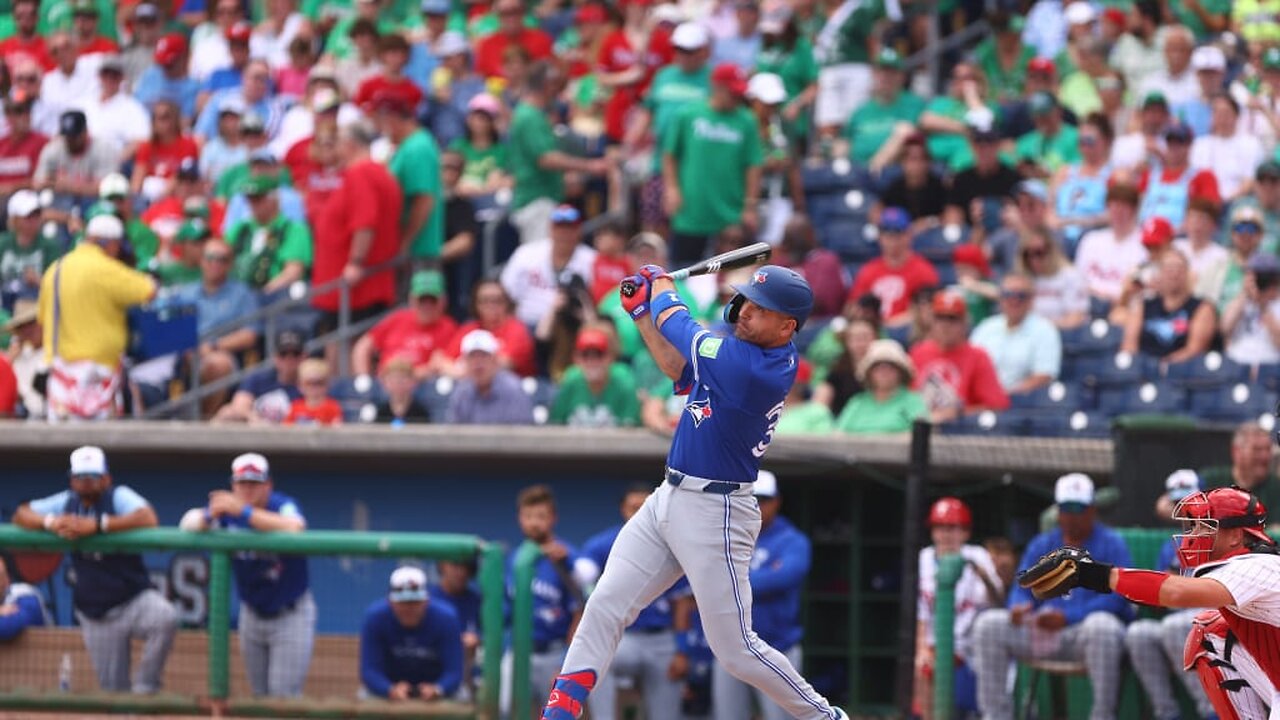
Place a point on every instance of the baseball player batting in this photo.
(1234, 567)
(702, 522)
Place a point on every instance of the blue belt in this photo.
(717, 487)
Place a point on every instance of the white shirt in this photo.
(64, 91)
(530, 278)
(1233, 160)
(209, 53)
(1060, 295)
(971, 593)
(1177, 90)
(1106, 263)
(1204, 259)
(275, 48)
(299, 123)
(1130, 150)
(118, 120)
(1250, 343)
(1254, 582)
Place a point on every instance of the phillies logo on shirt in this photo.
(699, 410)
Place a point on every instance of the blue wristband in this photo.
(664, 301)
(682, 643)
(247, 513)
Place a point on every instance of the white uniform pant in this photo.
(731, 698)
(1155, 647)
(643, 658)
(543, 667)
(709, 538)
(277, 651)
(1257, 699)
(149, 617)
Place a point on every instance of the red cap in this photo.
(1115, 16)
(804, 372)
(592, 339)
(394, 98)
(240, 31)
(1156, 231)
(590, 13)
(971, 255)
(950, 511)
(950, 303)
(170, 48)
(1042, 65)
(731, 77)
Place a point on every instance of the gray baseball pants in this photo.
(645, 657)
(543, 668)
(709, 538)
(1098, 640)
(1155, 647)
(149, 617)
(277, 651)
(731, 698)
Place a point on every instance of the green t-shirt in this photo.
(233, 177)
(630, 344)
(852, 38)
(811, 418)
(1005, 85)
(1078, 94)
(261, 251)
(1232, 283)
(798, 70)
(823, 353)
(713, 151)
(416, 166)
(56, 15)
(671, 91)
(171, 274)
(1220, 476)
(1256, 20)
(870, 126)
(616, 406)
(144, 241)
(952, 149)
(862, 414)
(339, 43)
(480, 164)
(1049, 153)
(16, 261)
(1184, 15)
(529, 138)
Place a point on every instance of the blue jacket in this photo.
(30, 610)
(554, 604)
(269, 582)
(1105, 545)
(466, 605)
(778, 567)
(392, 653)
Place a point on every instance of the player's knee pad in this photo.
(1209, 622)
(1218, 687)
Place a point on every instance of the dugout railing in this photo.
(221, 545)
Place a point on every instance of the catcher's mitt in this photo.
(1059, 572)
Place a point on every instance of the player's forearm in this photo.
(268, 521)
(1172, 591)
(26, 518)
(143, 517)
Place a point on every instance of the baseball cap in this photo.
(773, 23)
(408, 584)
(451, 43)
(88, 460)
(1181, 483)
(669, 13)
(766, 485)
(84, 7)
(193, 230)
(1157, 231)
(888, 58)
(592, 339)
(651, 240)
(1155, 97)
(195, 206)
(23, 203)
(778, 289)
(731, 77)
(1042, 65)
(101, 207)
(73, 123)
(113, 186)
(289, 340)
(241, 31)
(479, 340)
(894, 219)
(1080, 13)
(1208, 57)
(111, 62)
(322, 71)
(1073, 493)
(565, 215)
(325, 99)
(590, 13)
(1269, 169)
(258, 184)
(971, 255)
(146, 11)
(250, 467)
(188, 169)
(1115, 16)
(1271, 58)
(1035, 188)
(426, 282)
(767, 88)
(104, 227)
(690, 36)
(1042, 103)
(1246, 214)
(1179, 132)
(170, 48)
(1265, 263)
(252, 122)
(485, 103)
(434, 7)
(950, 304)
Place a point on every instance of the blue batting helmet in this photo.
(774, 288)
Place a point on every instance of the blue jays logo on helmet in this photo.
(699, 410)
(759, 277)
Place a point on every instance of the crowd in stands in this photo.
(1090, 199)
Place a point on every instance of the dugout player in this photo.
(277, 612)
(410, 645)
(112, 594)
(647, 651)
(703, 521)
(1234, 567)
(778, 568)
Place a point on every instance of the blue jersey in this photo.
(778, 568)
(269, 583)
(1104, 545)
(736, 392)
(657, 616)
(554, 602)
(465, 604)
(429, 653)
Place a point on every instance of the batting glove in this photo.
(637, 303)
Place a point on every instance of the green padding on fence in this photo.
(950, 569)
(522, 629)
(492, 575)
(312, 542)
(178, 705)
(219, 625)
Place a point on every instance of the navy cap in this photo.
(1265, 263)
(894, 219)
(775, 288)
(1179, 132)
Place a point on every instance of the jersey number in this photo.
(774, 415)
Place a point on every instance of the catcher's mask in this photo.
(1202, 514)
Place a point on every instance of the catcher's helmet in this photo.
(950, 511)
(1203, 513)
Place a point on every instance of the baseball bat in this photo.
(741, 257)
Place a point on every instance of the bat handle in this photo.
(628, 288)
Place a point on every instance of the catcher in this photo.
(1233, 566)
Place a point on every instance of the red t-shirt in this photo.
(964, 372)
(1203, 183)
(18, 156)
(368, 199)
(8, 388)
(536, 43)
(402, 87)
(162, 160)
(14, 48)
(165, 216)
(514, 343)
(894, 286)
(402, 334)
(616, 55)
(607, 275)
(328, 412)
(100, 45)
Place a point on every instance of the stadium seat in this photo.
(853, 241)
(1099, 308)
(434, 396)
(1118, 370)
(850, 205)
(1210, 370)
(938, 244)
(1079, 424)
(354, 394)
(1145, 398)
(988, 423)
(900, 334)
(1057, 397)
(832, 177)
(1092, 338)
(946, 273)
(1268, 376)
(1234, 403)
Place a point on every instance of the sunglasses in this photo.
(217, 257)
(1246, 228)
(315, 382)
(26, 78)
(491, 300)
(86, 478)
(289, 353)
(592, 354)
(1015, 295)
(1088, 140)
(948, 318)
